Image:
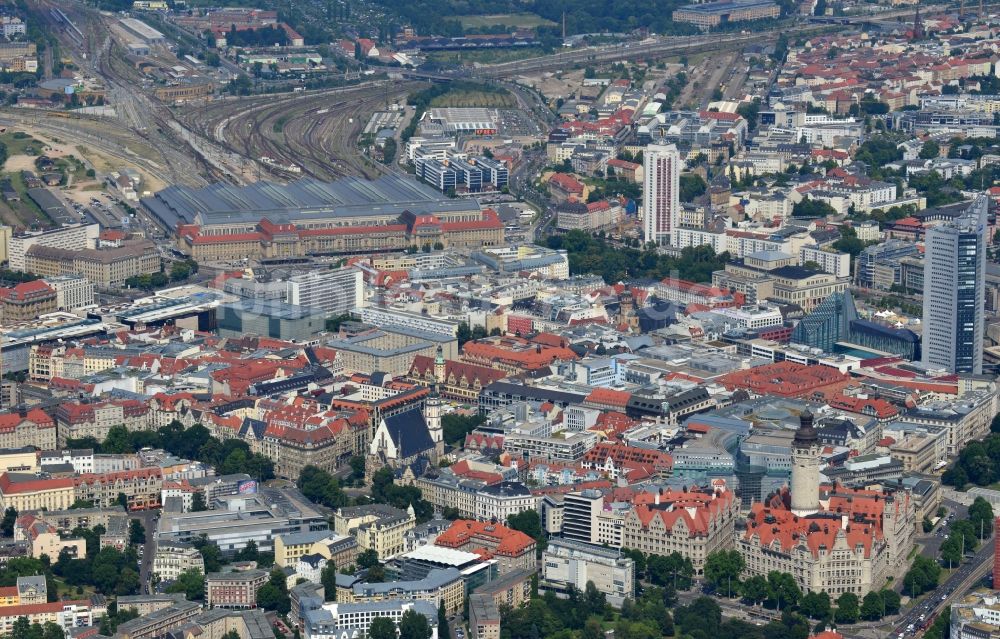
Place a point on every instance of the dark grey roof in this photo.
(794, 272)
(409, 433)
(506, 489)
(300, 200)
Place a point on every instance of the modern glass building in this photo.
(954, 279)
(828, 324)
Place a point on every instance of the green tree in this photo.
(198, 502)
(782, 589)
(921, 577)
(368, 559)
(872, 606)
(274, 594)
(847, 608)
(117, 441)
(812, 208)
(723, 569)
(136, 532)
(692, 186)
(754, 589)
(527, 521)
(191, 583)
(210, 553)
(444, 631)
(414, 625)
(382, 628)
(930, 150)
(981, 517)
(815, 605)
(7, 525)
(891, 601)
(328, 577)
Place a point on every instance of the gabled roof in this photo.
(409, 433)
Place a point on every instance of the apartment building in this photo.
(484, 617)
(499, 502)
(965, 419)
(510, 590)
(339, 620)
(445, 586)
(158, 622)
(693, 523)
(78, 419)
(173, 558)
(377, 527)
(334, 292)
(68, 615)
(234, 589)
(140, 486)
(565, 447)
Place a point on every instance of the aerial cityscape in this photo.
(371, 319)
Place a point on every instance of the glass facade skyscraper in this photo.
(954, 279)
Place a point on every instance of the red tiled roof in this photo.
(488, 538)
(8, 487)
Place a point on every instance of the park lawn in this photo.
(523, 19)
(20, 143)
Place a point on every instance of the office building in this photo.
(234, 589)
(484, 617)
(73, 238)
(567, 563)
(72, 291)
(334, 292)
(349, 620)
(235, 520)
(975, 615)
(954, 277)
(106, 267)
(269, 318)
(661, 194)
(713, 14)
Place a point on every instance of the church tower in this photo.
(805, 467)
(439, 367)
(432, 415)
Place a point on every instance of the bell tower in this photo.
(805, 467)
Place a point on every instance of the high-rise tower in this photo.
(661, 193)
(954, 293)
(805, 467)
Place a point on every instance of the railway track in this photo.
(292, 131)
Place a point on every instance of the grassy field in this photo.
(20, 143)
(525, 19)
(475, 99)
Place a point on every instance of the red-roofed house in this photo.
(30, 428)
(693, 523)
(866, 533)
(27, 301)
(511, 548)
(615, 459)
(563, 186)
(455, 379)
